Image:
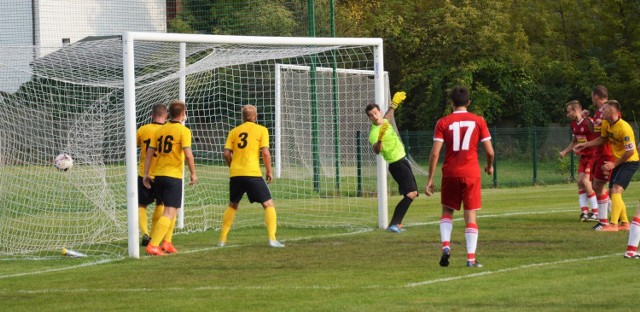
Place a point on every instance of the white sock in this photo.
(634, 233)
(603, 208)
(593, 202)
(582, 200)
(471, 235)
(445, 230)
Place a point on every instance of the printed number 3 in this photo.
(243, 140)
(455, 127)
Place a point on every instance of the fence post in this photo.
(359, 162)
(572, 166)
(534, 154)
(495, 157)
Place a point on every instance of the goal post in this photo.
(129, 39)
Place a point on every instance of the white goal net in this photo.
(75, 103)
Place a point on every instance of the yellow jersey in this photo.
(169, 141)
(246, 141)
(621, 138)
(143, 140)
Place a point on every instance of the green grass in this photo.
(537, 256)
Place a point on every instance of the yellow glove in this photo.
(398, 98)
(383, 129)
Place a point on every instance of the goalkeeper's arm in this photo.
(397, 99)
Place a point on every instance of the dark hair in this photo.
(573, 104)
(615, 104)
(176, 108)
(459, 96)
(159, 110)
(371, 106)
(601, 92)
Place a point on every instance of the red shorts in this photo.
(596, 169)
(456, 190)
(586, 163)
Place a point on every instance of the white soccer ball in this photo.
(63, 162)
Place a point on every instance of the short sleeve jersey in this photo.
(582, 134)
(144, 136)
(461, 132)
(246, 141)
(622, 139)
(169, 142)
(598, 118)
(392, 147)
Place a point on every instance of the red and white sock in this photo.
(603, 208)
(582, 200)
(634, 236)
(446, 226)
(471, 235)
(593, 203)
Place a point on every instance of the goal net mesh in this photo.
(73, 103)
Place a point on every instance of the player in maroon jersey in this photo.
(582, 130)
(460, 132)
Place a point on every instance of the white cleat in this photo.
(222, 244)
(275, 244)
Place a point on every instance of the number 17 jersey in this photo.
(461, 132)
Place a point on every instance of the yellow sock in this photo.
(623, 213)
(270, 220)
(227, 221)
(142, 220)
(159, 231)
(616, 207)
(156, 216)
(169, 236)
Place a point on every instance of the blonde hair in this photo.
(249, 113)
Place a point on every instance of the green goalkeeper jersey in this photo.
(392, 148)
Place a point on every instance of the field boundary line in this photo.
(522, 267)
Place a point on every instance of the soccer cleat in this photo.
(222, 244)
(474, 264)
(154, 251)
(444, 259)
(395, 229)
(275, 244)
(145, 240)
(598, 226)
(631, 255)
(583, 217)
(608, 228)
(592, 217)
(624, 226)
(168, 247)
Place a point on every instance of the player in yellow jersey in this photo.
(172, 145)
(242, 150)
(621, 137)
(147, 196)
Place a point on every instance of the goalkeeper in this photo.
(386, 142)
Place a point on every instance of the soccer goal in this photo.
(87, 100)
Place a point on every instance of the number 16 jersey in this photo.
(461, 132)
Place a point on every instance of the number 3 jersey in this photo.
(246, 141)
(461, 132)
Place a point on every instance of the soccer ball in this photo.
(63, 162)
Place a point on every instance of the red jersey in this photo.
(582, 134)
(604, 149)
(461, 132)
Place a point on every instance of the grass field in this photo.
(536, 256)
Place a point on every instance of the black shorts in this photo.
(255, 187)
(169, 191)
(403, 175)
(147, 196)
(622, 174)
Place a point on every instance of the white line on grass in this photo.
(522, 267)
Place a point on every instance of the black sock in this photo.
(401, 210)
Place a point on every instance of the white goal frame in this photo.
(129, 39)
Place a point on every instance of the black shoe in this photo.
(584, 216)
(145, 240)
(474, 264)
(598, 226)
(444, 259)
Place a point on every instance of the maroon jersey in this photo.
(461, 132)
(582, 134)
(604, 149)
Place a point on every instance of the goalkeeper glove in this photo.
(398, 98)
(383, 130)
